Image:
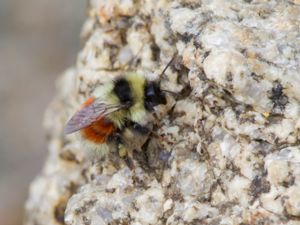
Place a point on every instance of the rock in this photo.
(225, 148)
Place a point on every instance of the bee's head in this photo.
(153, 96)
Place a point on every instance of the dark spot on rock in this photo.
(256, 77)
(110, 190)
(90, 203)
(262, 146)
(72, 187)
(277, 197)
(155, 51)
(120, 222)
(278, 98)
(258, 186)
(134, 206)
(186, 37)
(289, 181)
(190, 4)
(264, 13)
(244, 51)
(229, 77)
(185, 92)
(288, 215)
(245, 119)
(225, 206)
(69, 156)
(85, 220)
(178, 219)
(213, 221)
(231, 166)
(261, 58)
(85, 175)
(275, 118)
(86, 206)
(265, 221)
(151, 199)
(177, 196)
(59, 211)
(240, 18)
(93, 176)
(205, 55)
(197, 43)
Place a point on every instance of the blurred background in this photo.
(38, 41)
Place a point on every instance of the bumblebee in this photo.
(114, 107)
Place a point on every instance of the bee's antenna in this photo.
(163, 72)
(135, 57)
(169, 64)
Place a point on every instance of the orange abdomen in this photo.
(99, 131)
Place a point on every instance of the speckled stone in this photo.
(224, 150)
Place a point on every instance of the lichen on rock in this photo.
(224, 150)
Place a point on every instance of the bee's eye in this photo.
(153, 96)
(150, 92)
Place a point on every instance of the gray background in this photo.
(38, 41)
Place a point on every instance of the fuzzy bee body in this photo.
(114, 107)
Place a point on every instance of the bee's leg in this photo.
(119, 142)
(141, 129)
(115, 140)
(123, 150)
(115, 137)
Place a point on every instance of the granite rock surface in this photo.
(224, 150)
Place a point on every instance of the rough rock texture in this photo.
(224, 151)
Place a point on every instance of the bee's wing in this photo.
(89, 114)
